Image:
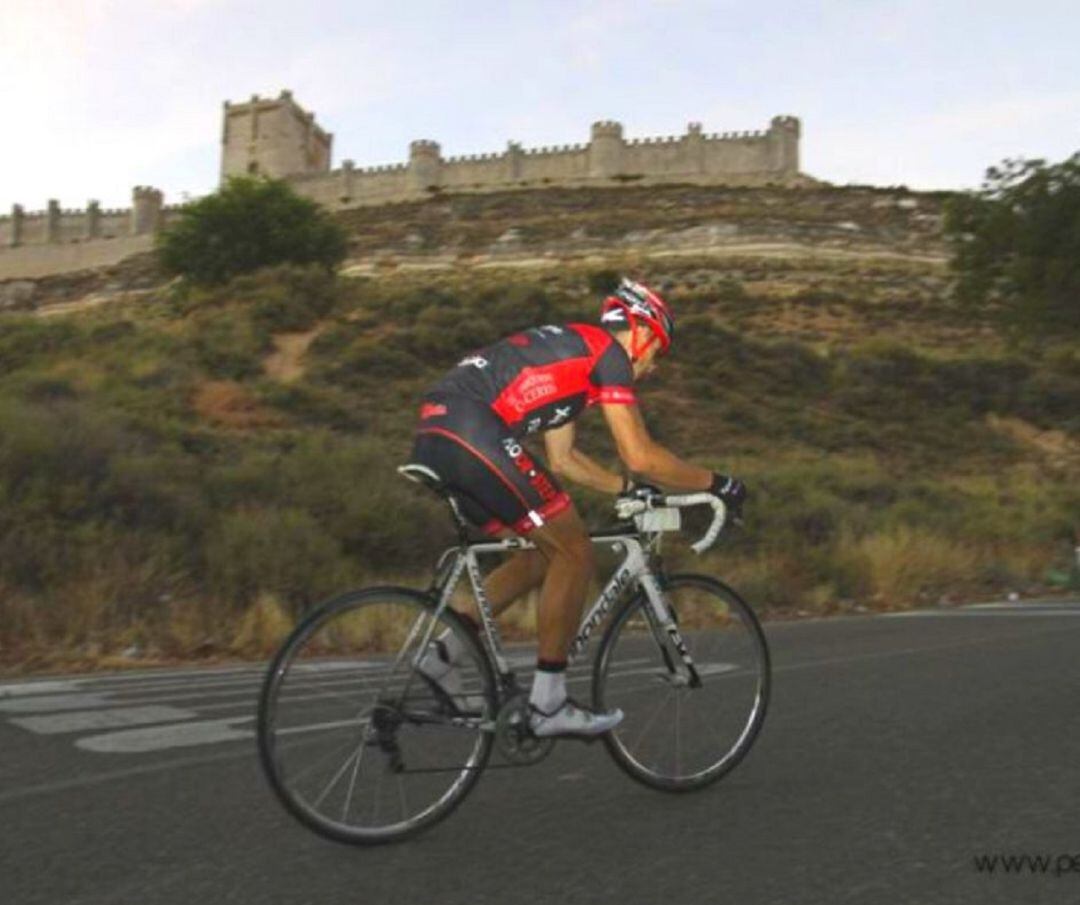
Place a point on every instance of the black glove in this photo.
(731, 490)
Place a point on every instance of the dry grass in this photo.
(904, 562)
(286, 362)
(260, 629)
(225, 403)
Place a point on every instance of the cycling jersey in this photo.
(472, 419)
(541, 378)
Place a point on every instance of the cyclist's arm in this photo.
(571, 463)
(644, 456)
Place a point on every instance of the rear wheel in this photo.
(677, 735)
(355, 742)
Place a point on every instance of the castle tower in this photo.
(425, 165)
(783, 137)
(273, 137)
(146, 204)
(605, 150)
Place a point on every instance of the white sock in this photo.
(548, 690)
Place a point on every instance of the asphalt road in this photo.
(897, 749)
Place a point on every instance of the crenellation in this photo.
(276, 137)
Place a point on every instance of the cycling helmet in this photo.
(633, 302)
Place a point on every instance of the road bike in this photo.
(363, 748)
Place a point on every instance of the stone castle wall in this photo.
(58, 240)
(278, 138)
(735, 158)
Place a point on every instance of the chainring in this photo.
(515, 739)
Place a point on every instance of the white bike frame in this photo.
(633, 569)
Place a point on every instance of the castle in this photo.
(276, 137)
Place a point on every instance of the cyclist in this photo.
(472, 422)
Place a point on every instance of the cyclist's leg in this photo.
(565, 544)
(565, 541)
(521, 572)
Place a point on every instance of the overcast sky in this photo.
(101, 95)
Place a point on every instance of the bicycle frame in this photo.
(633, 569)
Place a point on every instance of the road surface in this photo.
(897, 749)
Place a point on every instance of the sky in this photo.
(103, 95)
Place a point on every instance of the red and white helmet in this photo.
(633, 302)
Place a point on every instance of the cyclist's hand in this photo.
(731, 491)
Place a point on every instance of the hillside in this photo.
(184, 471)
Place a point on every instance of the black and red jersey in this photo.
(541, 378)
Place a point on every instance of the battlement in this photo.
(555, 149)
(725, 157)
(56, 225)
(607, 128)
(276, 137)
(383, 168)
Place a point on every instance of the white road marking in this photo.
(159, 738)
(83, 720)
(50, 703)
(17, 689)
(1007, 612)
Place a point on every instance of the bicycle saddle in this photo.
(421, 474)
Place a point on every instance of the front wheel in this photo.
(681, 731)
(354, 741)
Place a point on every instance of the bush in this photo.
(1017, 243)
(247, 225)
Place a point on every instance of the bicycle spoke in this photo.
(713, 723)
(311, 768)
(352, 779)
(318, 715)
(339, 774)
(648, 725)
(678, 716)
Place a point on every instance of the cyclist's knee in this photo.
(566, 538)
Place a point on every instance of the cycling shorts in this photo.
(496, 482)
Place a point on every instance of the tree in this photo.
(1016, 244)
(249, 224)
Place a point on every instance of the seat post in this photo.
(422, 474)
(459, 519)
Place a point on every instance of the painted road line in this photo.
(160, 738)
(19, 689)
(50, 703)
(113, 718)
(986, 613)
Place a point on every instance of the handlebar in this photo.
(625, 508)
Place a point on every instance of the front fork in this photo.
(665, 629)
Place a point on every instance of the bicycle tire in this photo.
(269, 733)
(753, 639)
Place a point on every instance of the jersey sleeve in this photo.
(611, 381)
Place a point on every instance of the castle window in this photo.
(253, 168)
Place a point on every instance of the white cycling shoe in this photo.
(573, 720)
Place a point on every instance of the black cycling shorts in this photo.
(494, 479)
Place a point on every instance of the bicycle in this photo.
(345, 718)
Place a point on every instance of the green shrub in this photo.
(1016, 243)
(280, 551)
(247, 225)
(230, 345)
